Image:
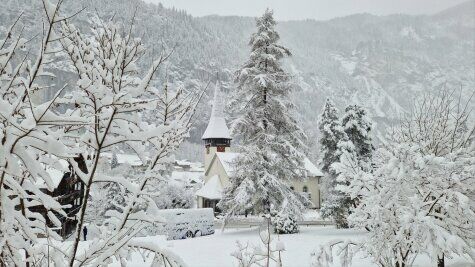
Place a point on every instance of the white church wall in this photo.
(218, 169)
(313, 189)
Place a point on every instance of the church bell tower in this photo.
(217, 137)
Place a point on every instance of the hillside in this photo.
(381, 62)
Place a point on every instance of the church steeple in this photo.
(217, 128)
(217, 136)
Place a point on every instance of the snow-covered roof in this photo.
(186, 176)
(217, 127)
(56, 174)
(192, 166)
(213, 189)
(227, 158)
(131, 159)
(311, 168)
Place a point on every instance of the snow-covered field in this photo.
(215, 250)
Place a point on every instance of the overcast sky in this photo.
(303, 9)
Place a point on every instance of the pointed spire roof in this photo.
(217, 127)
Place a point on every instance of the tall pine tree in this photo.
(334, 142)
(357, 126)
(271, 142)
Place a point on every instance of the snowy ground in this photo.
(215, 250)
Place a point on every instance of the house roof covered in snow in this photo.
(186, 176)
(311, 168)
(227, 158)
(55, 173)
(213, 189)
(130, 159)
(217, 127)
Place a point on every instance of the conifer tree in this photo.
(271, 140)
(334, 143)
(357, 126)
(114, 161)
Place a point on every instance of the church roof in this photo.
(211, 189)
(227, 159)
(217, 127)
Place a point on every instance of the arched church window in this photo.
(305, 189)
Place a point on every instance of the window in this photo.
(305, 189)
(207, 149)
(292, 188)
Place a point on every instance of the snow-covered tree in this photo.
(271, 141)
(334, 142)
(174, 196)
(354, 151)
(331, 132)
(416, 198)
(30, 142)
(114, 161)
(102, 111)
(357, 126)
(111, 96)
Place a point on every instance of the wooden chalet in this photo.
(68, 192)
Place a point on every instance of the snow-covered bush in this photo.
(174, 196)
(285, 223)
(415, 197)
(270, 254)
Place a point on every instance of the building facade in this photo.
(219, 158)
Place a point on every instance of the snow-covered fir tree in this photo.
(357, 126)
(354, 149)
(333, 142)
(271, 141)
(331, 132)
(114, 161)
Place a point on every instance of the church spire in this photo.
(217, 127)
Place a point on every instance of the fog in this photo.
(308, 9)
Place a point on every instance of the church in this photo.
(219, 157)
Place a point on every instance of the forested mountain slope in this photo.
(381, 62)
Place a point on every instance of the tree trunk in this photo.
(268, 241)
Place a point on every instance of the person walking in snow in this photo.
(84, 231)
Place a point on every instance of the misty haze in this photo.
(245, 133)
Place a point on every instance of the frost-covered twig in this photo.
(343, 249)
